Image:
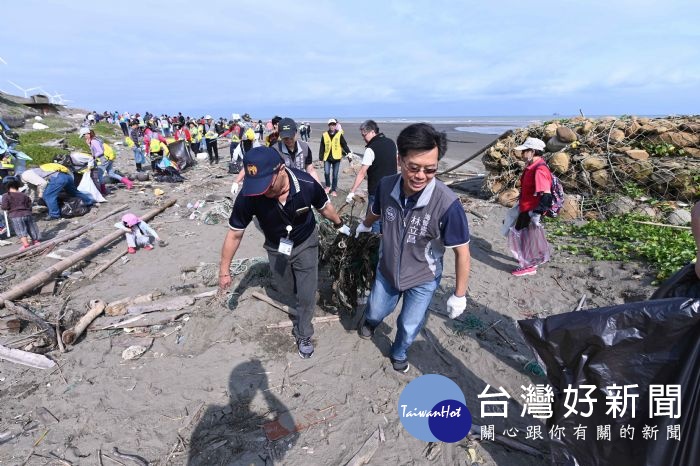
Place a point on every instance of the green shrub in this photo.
(75, 142)
(40, 154)
(622, 238)
(37, 137)
(106, 130)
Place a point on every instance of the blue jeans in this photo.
(138, 155)
(376, 226)
(327, 172)
(382, 302)
(109, 170)
(58, 183)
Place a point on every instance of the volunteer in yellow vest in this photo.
(110, 157)
(96, 165)
(196, 136)
(236, 131)
(211, 135)
(59, 179)
(333, 147)
(156, 146)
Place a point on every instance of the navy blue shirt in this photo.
(304, 192)
(454, 228)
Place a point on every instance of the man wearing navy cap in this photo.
(281, 198)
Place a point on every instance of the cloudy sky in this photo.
(359, 58)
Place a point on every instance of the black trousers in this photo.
(213, 150)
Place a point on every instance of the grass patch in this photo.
(106, 130)
(55, 122)
(37, 137)
(75, 142)
(40, 154)
(619, 238)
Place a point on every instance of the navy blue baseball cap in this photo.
(260, 165)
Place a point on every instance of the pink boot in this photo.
(129, 184)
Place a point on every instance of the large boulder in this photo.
(637, 154)
(559, 163)
(586, 128)
(679, 217)
(601, 178)
(555, 145)
(621, 205)
(632, 129)
(550, 130)
(508, 197)
(680, 138)
(617, 136)
(566, 135)
(594, 162)
(571, 208)
(646, 210)
(692, 151)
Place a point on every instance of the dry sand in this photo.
(201, 392)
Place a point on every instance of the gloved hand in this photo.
(350, 156)
(535, 218)
(344, 230)
(234, 188)
(349, 198)
(361, 228)
(456, 305)
(91, 164)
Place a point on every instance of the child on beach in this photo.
(19, 208)
(138, 233)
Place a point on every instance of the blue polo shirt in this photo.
(454, 228)
(304, 193)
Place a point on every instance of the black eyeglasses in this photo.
(426, 170)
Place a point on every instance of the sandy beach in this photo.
(209, 382)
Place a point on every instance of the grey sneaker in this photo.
(365, 330)
(400, 365)
(306, 348)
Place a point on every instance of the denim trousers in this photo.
(327, 172)
(296, 276)
(376, 226)
(57, 183)
(138, 155)
(383, 300)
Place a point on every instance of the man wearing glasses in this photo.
(281, 198)
(378, 161)
(420, 218)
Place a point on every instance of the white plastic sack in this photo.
(202, 156)
(88, 187)
(511, 218)
(39, 126)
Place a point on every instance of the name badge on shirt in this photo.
(285, 246)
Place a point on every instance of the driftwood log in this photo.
(62, 238)
(118, 307)
(141, 320)
(44, 276)
(273, 303)
(107, 264)
(25, 314)
(25, 358)
(315, 320)
(96, 308)
(365, 453)
(173, 304)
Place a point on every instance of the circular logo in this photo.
(432, 408)
(390, 214)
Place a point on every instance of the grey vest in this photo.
(297, 160)
(411, 248)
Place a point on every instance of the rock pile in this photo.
(659, 157)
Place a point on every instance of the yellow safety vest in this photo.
(234, 136)
(6, 163)
(332, 146)
(154, 145)
(54, 167)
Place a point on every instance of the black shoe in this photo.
(400, 365)
(49, 218)
(365, 330)
(306, 348)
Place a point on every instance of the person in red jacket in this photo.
(535, 199)
(182, 133)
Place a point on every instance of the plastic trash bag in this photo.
(180, 153)
(74, 207)
(509, 221)
(682, 284)
(87, 186)
(235, 166)
(642, 343)
(529, 245)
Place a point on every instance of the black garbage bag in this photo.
(168, 175)
(682, 284)
(643, 343)
(235, 166)
(73, 207)
(180, 153)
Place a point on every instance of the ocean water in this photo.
(474, 124)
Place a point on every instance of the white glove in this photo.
(350, 156)
(344, 230)
(348, 199)
(361, 228)
(535, 219)
(234, 188)
(456, 305)
(91, 164)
